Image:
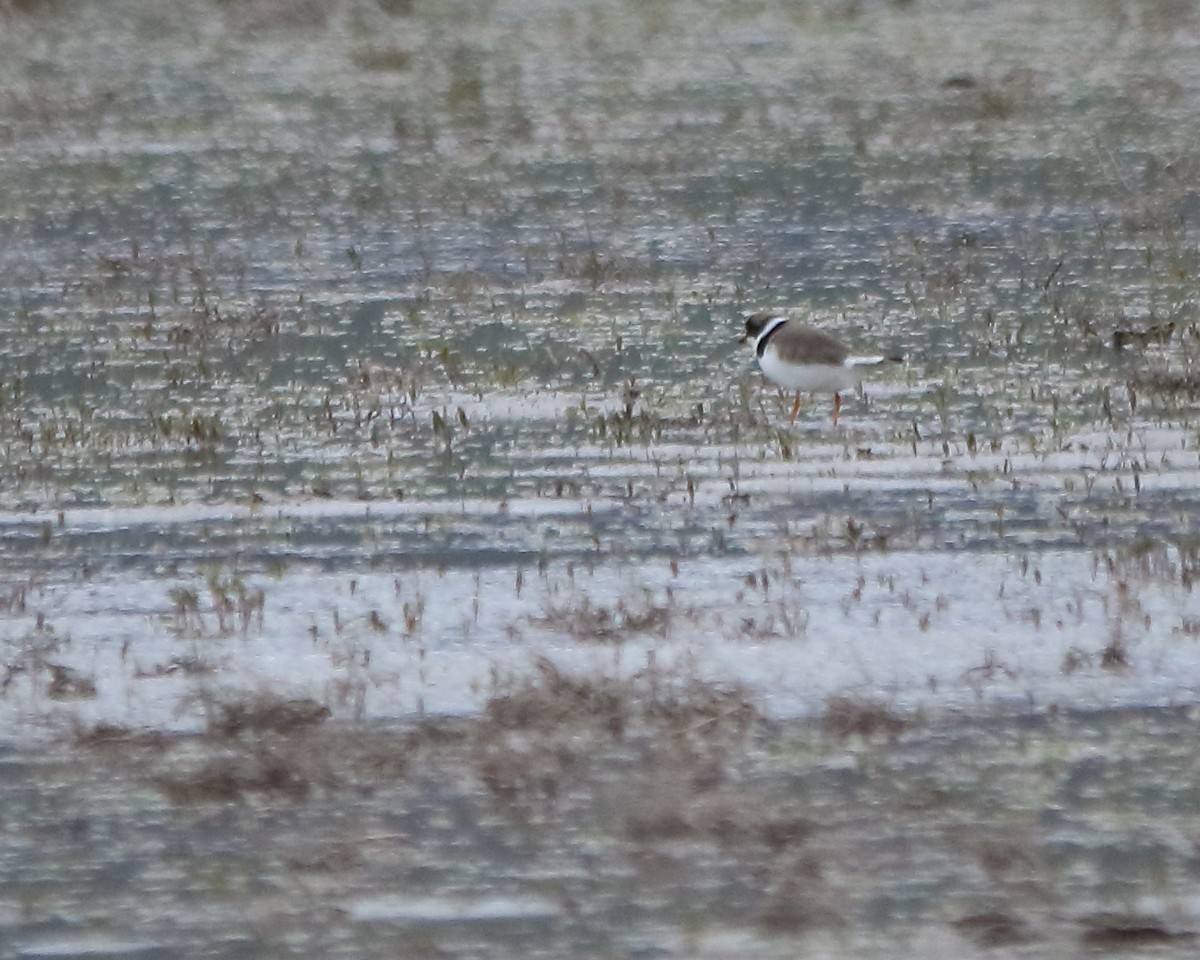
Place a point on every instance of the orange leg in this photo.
(796, 408)
(837, 407)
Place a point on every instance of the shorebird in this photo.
(801, 358)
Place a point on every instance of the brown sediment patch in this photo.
(850, 716)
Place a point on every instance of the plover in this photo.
(801, 358)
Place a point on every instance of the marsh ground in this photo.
(390, 519)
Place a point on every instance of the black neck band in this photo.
(761, 347)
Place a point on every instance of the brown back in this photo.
(797, 344)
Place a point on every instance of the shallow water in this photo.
(380, 355)
(1070, 832)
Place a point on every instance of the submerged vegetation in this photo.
(393, 526)
(197, 307)
(593, 813)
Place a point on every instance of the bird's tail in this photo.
(877, 361)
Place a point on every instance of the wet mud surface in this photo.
(398, 552)
(651, 819)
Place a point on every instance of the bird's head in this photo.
(756, 323)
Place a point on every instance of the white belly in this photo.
(818, 377)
